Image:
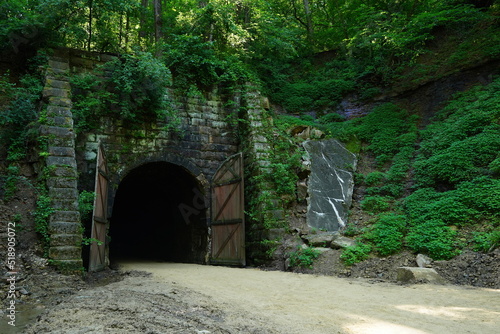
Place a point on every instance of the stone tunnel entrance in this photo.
(153, 216)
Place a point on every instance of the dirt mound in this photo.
(469, 268)
(472, 268)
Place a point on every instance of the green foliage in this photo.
(462, 143)
(314, 89)
(471, 203)
(86, 203)
(41, 216)
(434, 238)
(131, 88)
(376, 204)
(18, 112)
(90, 241)
(375, 178)
(194, 61)
(388, 232)
(303, 257)
(355, 254)
(11, 182)
(486, 241)
(330, 118)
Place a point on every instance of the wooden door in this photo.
(97, 260)
(228, 220)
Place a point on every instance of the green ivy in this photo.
(303, 257)
(41, 215)
(131, 88)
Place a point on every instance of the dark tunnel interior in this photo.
(157, 215)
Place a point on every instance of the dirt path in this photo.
(160, 298)
(294, 303)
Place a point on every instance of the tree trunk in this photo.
(142, 31)
(91, 5)
(158, 20)
(307, 10)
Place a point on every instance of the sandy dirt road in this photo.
(296, 303)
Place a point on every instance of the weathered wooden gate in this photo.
(97, 259)
(228, 218)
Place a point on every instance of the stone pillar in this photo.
(64, 225)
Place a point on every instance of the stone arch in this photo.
(139, 159)
(156, 211)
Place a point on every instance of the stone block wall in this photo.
(205, 134)
(64, 224)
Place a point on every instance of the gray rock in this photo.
(330, 184)
(423, 261)
(322, 250)
(320, 240)
(342, 242)
(301, 190)
(414, 274)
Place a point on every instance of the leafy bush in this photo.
(303, 257)
(462, 143)
(86, 204)
(131, 88)
(19, 110)
(486, 241)
(41, 216)
(374, 178)
(355, 254)
(194, 61)
(388, 232)
(376, 204)
(434, 238)
(330, 118)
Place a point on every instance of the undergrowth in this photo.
(434, 191)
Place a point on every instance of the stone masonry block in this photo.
(59, 111)
(61, 84)
(60, 101)
(61, 161)
(63, 193)
(65, 252)
(258, 139)
(261, 147)
(53, 72)
(63, 172)
(65, 240)
(61, 182)
(64, 228)
(58, 64)
(62, 142)
(65, 204)
(62, 151)
(57, 131)
(48, 92)
(65, 216)
(217, 124)
(65, 122)
(198, 121)
(211, 116)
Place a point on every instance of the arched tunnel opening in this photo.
(159, 214)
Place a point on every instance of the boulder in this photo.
(423, 261)
(320, 239)
(415, 274)
(342, 242)
(330, 184)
